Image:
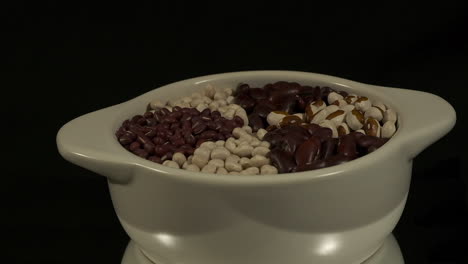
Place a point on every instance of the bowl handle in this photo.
(88, 142)
(423, 117)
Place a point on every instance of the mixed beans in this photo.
(279, 128)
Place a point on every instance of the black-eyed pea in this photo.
(290, 120)
(363, 104)
(219, 163)
(268, 169)
(340, 103)
(261, 133)
(209, 168)
(319, 116)
(343, 129)
(355, 119)
(331, 125)
(350, 99)
(258, 161)
(192, 167)
(171, 164)
(334, 96)
(300, 115)
(262, 151)
(275, 117)
(310, 111)
(389, 115)
(336, 117)
(319, 104)
(179, 158)
(348, 108)
(380, 105)
(250, 171)
(388, 129)
(374, 112)
(220, 170)
(220, 153)
(331, 108)
(372, 127)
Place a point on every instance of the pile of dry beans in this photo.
(280, 128)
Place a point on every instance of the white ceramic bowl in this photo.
(339, 214)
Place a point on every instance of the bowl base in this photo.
(388, 253)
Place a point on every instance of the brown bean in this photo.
(239, 122)
(258, 93)
(135, 119)
(208, 134)
(323, 133)
(242, 88)
(314, 165)
(198, 127)
(245, 102)
(176, 109)
(164, 111)
(262, 110)
(347, 146)
(134, 145)
(125, 140)
(307, 151)
(158, 141)
(215, 114)
(367, 141)
(328, 148)
(143, 139)
(149, 147)
(148, 114)
(190, 139)
(288, 104)
(155, 159)
(290, 143)
(141, 152)
(201, 141)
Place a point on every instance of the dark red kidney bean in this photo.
(125, 140)
(323, 133)
(314, 165)
(256, 122)
(296, 130)
(307, 90)
(337, 160)
(300, 103)
(258, 93)
(215, 114)
(155, 159)
(158, 141)
(134, 145)
(307, 151)
(151, 133)
(198, 127)
(190, 139)
(343, 93)
(280, 85)
(347, 146)
(211, 125)
(311, 128)
(262, 110)
(245, 102)
(288, 104)
(325, 92)
(148, 114)
(176, 109)
(209, 134)
(328, 148)
(242, 88)
(282, 161)
(367, 141)
(290, 143)
(273, 138)
(268, 87)
(164, 111)
(239, 122)
(141, 152)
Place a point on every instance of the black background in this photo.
(62, 61)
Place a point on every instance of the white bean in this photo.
(268, 169)
(251, 171)
(262, 151)
(217, 162)
(193, 167)
(222, 102)
(274, 119)
(179, 158)
(244, 162)
(220, 153)
(258, 161)
(208, 144)
(331, 108)
(243, 151)
(234, 173)
(380, 105)
(200, 161)
(209, 168)
(231, 166)
(213, 106)
(230, 145)
(348, 108)
(171, 164)
(220, 170)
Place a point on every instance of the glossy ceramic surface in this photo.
(340, 214)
